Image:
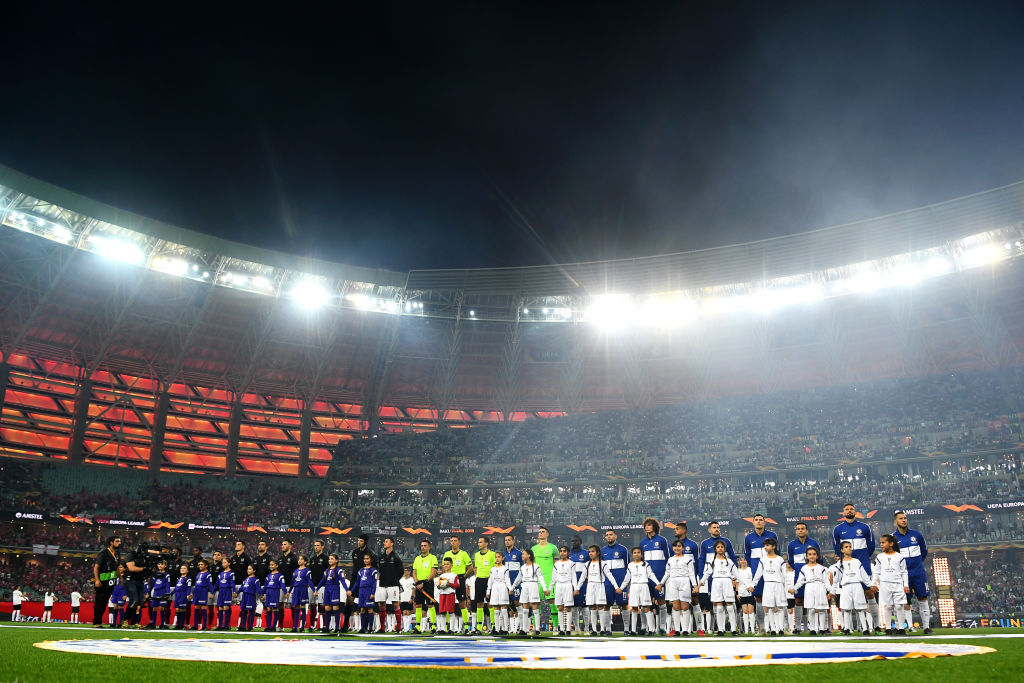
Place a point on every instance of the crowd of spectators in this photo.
(986, 585)
(261, 502)
(875, 422)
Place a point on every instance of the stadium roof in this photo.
(215, 325)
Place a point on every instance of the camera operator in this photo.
(140, 564)
(104, 578)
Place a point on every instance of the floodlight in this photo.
(938, 265)
(116, 249)
(311, 295)
(611, 311)
(907, 274)
(62, 234)
(980, 256)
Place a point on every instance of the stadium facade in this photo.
(131, 342)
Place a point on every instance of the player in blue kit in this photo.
(225, 594)
(248, 594)
(914, 550)
(656, 552)
(614, 556)
(753, 550)
(513, 560)
(365, 588)
(797, 553)
(158, 594)
(273, 589)
(862, 540)
(579, 557)
(180, 593)
(299, 592)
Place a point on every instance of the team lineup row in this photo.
(649, 580)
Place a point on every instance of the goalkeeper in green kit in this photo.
(544, 556)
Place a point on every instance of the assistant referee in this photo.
(483, 561)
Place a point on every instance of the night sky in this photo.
(437, 135)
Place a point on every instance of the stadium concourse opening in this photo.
(481, 653)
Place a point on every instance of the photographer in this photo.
(140, 563)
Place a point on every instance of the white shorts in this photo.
(499, 595)
(595, 594)
(721, 591)
(381, 595)
(678, 590)
(774, 594)
(563, 595)
(891, 594)
(639, 595)
(851, 596)
(530, 594)
(316, 597)
(815, 595)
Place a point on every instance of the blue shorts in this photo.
(655, 593)
(200, 598)
(516, 592)
(300, 596)
(581, 599)
(272, 599)
(181, 603)
(613, 598)
(247, 601)
(224, 597)
(799, 595)
(918, 586)
(332, 594)
(366, 598)
(758, 589)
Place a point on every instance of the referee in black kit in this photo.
(104, 578)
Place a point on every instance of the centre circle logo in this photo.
(495, 653)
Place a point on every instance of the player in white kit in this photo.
(48, 598)
(406, 590)
(893, 583)
(531, 578)
(849, 581)
(76, 604)
(499, 590)
(814, 579)
(679, 581)
(563, 578)
(744, 580)
(17, 598)
(638, 573)
(594, 575)
(772, 569)
(720, 571)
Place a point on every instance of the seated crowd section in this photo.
(883, 445)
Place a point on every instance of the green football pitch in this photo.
(20, 661)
